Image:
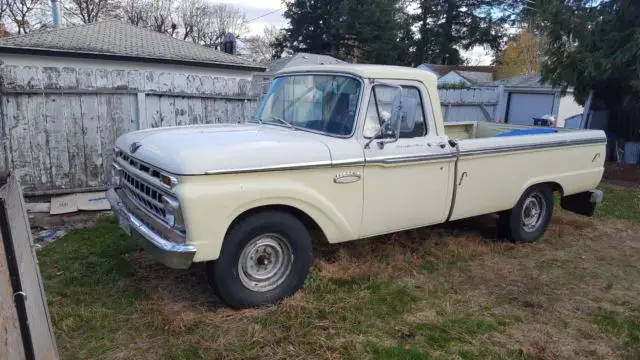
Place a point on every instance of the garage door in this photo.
(524, 107)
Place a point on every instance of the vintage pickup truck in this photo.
(341, 152)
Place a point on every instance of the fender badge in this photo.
(134, 147)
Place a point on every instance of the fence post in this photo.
(501, 106)
(142, 110)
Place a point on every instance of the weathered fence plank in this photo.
(195, 110)
(108, 135)
(154, 112)
(56, 130)
(181, 111)
(92, 143)
(35, 111)
(17, 130)
(75, 141)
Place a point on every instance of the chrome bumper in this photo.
(171, 254)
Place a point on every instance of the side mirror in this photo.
(403, 113)
(401, 118)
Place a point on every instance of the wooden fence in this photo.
(25, 325)
(469, 104)
(59, 125)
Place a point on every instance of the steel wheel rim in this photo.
(533, 212)
(265, 262)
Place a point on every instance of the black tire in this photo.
(516, 224)
(233, 284)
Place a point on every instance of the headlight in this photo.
(168, 180)
(173, 213)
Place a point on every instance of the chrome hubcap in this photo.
(533, 212)
(265, 262)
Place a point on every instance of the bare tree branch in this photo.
(260, 47)
(4, 8)
(20, 12)
(194, 15)
(89, 11)
(220, 19)
(157, 15)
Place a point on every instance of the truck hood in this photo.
(202, 149)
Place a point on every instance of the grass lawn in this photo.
(435, 293)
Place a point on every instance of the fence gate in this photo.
(25, 325)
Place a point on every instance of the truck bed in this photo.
(475, 130)
(498, 162)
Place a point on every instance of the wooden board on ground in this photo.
(93, 201)
(29, 298)
(64, 204)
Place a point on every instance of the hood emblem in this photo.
(134, 147)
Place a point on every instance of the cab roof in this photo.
(367, 71)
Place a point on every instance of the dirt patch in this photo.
(622, 175)
(66, 222)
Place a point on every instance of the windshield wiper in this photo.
(290, 125)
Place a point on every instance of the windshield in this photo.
(324, 103)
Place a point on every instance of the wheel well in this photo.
(312, 226)
(555, 187)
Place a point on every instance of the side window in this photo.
(383, 96)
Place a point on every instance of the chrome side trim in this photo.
(399, 159)
(300, 166)
(389, 160)
(527, 147)
(348, 162)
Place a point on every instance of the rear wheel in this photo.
(531, 216)
(264, 258)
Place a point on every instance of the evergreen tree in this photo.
(364, 31)
(447, 26)
(595, 45)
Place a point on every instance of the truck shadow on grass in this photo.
(426, 250)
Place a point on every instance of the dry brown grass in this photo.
(447, 292)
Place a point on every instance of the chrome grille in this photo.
(138, 165)
(145, 195)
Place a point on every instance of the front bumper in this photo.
(146, 231)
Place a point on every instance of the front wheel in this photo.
(265, 258)
(529, 219)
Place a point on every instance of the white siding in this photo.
(568, 107)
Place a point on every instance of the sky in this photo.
(275, 9)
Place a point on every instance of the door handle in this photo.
(442, 145)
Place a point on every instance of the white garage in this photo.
(525, 98)
(523, 107)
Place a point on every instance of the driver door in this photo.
(406, 183)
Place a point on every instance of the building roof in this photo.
(441, 70)
(476, 77)
(117, 40)
(301, 59)
(533, 80)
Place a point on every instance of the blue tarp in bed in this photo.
(520, 132)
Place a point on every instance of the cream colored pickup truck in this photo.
(346, 152)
